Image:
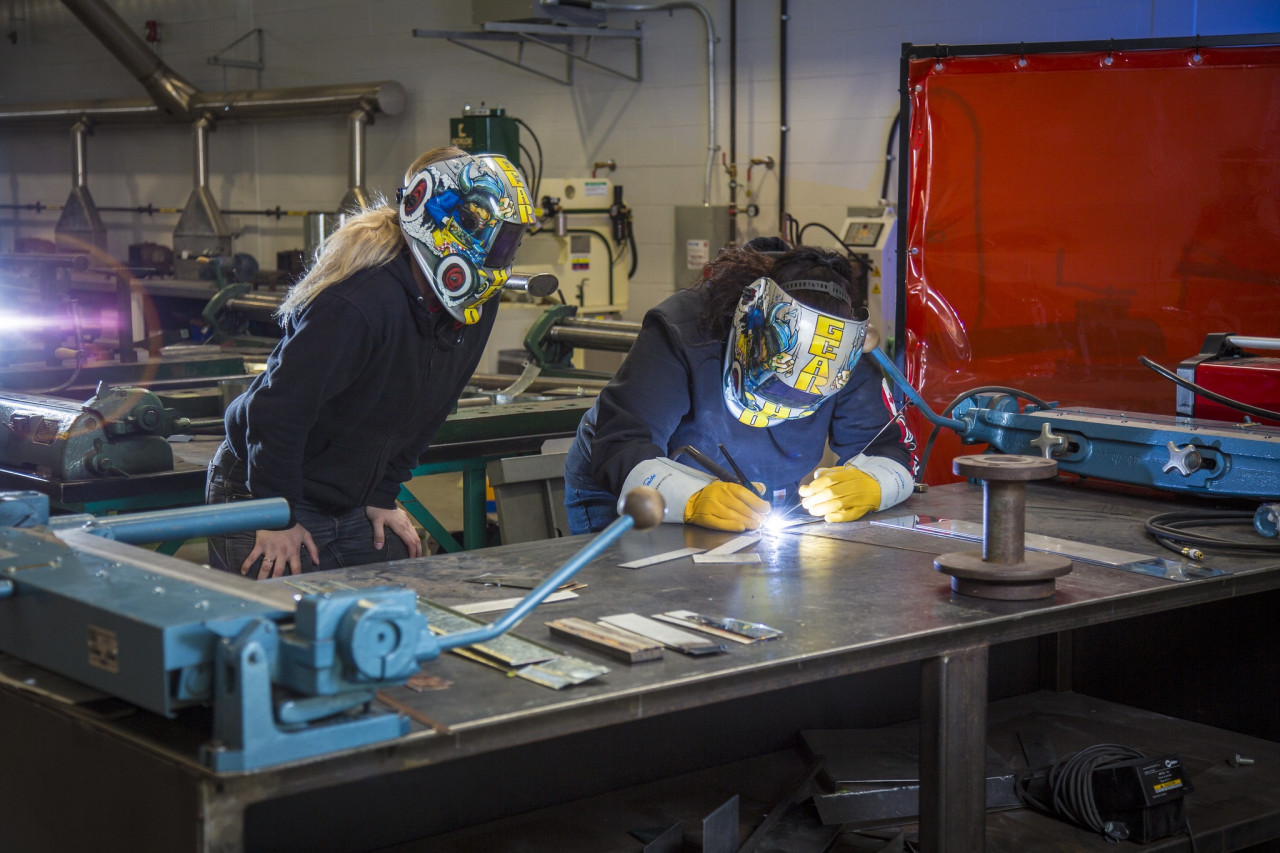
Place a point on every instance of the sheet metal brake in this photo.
(287, 679)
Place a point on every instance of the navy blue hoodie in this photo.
(354, 391)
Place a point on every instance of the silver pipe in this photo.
(258, 305)
(593, 338)
(630, 326)
(356, 123)
(1245, 342)
(80, 152)
(711, 71)
(166, 87)
(386, 96)
(537, 285)
(201, 129)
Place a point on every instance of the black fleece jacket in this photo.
(354, 391)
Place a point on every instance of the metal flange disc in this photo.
(1032, 578)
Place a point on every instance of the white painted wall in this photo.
(843, 81)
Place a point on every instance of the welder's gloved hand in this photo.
(862, 484)
(840, 494)
(726, 506)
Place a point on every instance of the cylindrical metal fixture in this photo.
(1004, 569)
(596, 323)
(593, 338)
(80, 152)
(356, 124)
(1004, 542)
(200, 131)
(537, 285)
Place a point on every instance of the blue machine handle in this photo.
(904, 386)
(167, 525)
(643, 508)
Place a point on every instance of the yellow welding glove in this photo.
(862, 484)
(726, 506)
(840, 494)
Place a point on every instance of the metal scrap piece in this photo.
(726, 558)
(660, 558)
(609, 639)
(681, 641)
(496, 605)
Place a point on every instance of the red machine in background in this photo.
(1224, 366)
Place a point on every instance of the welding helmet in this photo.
(464, 218)
(783, 358)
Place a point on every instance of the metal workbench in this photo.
(874, 635)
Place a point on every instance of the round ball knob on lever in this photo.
(645, 506)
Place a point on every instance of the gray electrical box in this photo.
(700, 234)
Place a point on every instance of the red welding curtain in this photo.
(1069, 212)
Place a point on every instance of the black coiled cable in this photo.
(1070, 789)
(1171, 530)
(1070, 786)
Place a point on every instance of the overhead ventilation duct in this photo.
(79, 226)
(175, 99)
(167, 88)
(201, 231)
(357, 197)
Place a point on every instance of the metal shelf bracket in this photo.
(573, 43)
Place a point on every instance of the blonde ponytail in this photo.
(368, 239)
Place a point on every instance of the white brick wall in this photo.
(843, 81)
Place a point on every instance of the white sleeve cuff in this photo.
(896, 482)
(675, 482)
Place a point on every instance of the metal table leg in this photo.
(953, 747)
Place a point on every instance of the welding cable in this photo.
(946, 413)
(537, 187)
(861, 260)
(1070, 787)
(530, 182)
(1170, 529)
(1201, 391)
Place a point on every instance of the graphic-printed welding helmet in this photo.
(464, 218)
(783, 359)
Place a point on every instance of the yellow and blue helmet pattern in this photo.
(464, 218)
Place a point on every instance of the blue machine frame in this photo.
(287, 678)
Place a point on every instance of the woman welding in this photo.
(380, 337)
(746, 376)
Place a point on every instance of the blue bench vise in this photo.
(288, 676)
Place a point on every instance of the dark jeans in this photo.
(343, 536)
(589, 510)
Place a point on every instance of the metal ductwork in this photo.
(175, 99)
(79, 226)
(167, 88)
(201, 230)
(357, 197)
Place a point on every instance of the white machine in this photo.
(872, 232)
(576, 244)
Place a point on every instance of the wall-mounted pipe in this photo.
(79, 225)
(385, 96)
(711, 71)
(201, 230)
(357, 197)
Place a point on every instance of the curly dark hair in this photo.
(736, 267)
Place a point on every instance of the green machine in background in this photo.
(486, 130)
